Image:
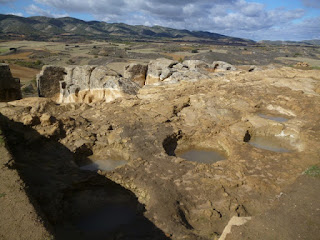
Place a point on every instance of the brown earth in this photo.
(25, 74)
(174, 198)
(22, 56)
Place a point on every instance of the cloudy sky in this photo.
(253, 19)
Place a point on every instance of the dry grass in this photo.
(310, 61)
(175, 57)
(23, 55)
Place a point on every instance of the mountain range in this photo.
(72, 29)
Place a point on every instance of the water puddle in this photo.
(104, 165)
(107, 219)
(273, 118)
(201, 156)
(271, 143)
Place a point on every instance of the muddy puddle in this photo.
(270, 143)
(273, 118)
(201, 156)
(104, 165)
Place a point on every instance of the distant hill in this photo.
(304, 42)
(67, 28)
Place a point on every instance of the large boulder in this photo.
(94, 83)
(48, 81)
(136, 73)
(222, 66)
(159, 69)
(83, 84)
(164, 71)
(195, 64)
(10, 88)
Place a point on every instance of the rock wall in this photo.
(100, 83)
(10, 88)
(83, 84)
(136, 73)
(48, 81)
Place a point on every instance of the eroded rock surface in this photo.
(185, 200)
(10, 88)
(136, 73)
(83, 84)
(48, 81)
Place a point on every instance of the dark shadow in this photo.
(74, 204)
(170, 143)
(247, 137)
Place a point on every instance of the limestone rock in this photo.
(159, 69)
(222, 66)
(136, 73)
(170, 72)
(48, 81)
(195, 64)
(94, 83)
(9, 87)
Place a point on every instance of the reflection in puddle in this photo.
(107, 219)
(271, 143)
(274, 118)
(104, 165)
(201, 156)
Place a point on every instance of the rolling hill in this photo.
(67, 28)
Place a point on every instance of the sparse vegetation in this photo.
(36, 64)
(2, 195)
(313, 171)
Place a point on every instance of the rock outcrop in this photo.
(10, 88)
(96, 83)
(136, 73)
(222, 66)
(83, 84)
(48, 81)
(159, 69)
(168, 71)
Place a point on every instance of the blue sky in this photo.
(253, 19)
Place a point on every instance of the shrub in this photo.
(313, 171)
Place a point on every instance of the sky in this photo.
(252, 19)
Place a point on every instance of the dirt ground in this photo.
(174, 198)
(25, 74)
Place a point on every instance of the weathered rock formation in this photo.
(222, 66)
(168, 71)
(136, 73)
(159, 69)
(48, 81)
(100, 83)
(10, 88)
(83, 84)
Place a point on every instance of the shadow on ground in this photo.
(74, 204)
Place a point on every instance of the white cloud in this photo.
(230, 17)
(35, 10)
(16, 14)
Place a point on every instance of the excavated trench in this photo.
(73, 204)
